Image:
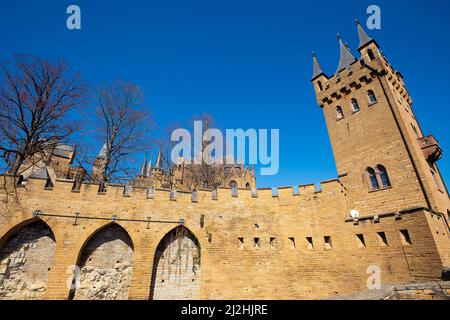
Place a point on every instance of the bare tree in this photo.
(123, 127)
(205, 174)
(201, 174)
(36, 95)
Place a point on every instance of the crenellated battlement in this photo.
(116, 192)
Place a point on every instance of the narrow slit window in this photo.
(257, 243)
(339, 113)
(309, 243)
(360, 240)
(272, 243)
(241, 243)
(328, 244)
(382, 240)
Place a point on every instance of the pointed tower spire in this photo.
(317, 70)
(143, 171)
(364, 39)
(346, 58)
(149, 168)
(102, 153)
(158, 163)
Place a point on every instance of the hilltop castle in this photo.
(57, 163)
(388, 210)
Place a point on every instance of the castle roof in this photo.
(158, 163)
(143, 171)
(317, 70)
(149, 168)
(346, 58)
(63, 150)
(364, 39)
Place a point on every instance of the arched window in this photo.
(319, 84)
(372, 97)
(372, 179)
(384, 178)
(247, 186)
(339, 113)
(370, 54)
(355, 105)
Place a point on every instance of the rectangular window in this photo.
(382, 240)
(360, 240)
(292, 240)
(272, 243)
(328, 244)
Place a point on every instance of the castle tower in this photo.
(157, 169)
(143, 173)
(99, 165)
(381, 154)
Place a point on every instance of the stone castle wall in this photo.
(266, 247)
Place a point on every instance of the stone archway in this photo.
(25, 262)
(105, 266)
(176, 268)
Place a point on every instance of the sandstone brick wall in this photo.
(284, 247)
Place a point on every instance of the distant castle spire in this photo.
(317, 70)
(143, 172)
(149, 168)
(364, 39)
(102, 153)
(346, 58)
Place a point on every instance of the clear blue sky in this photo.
(247, 63)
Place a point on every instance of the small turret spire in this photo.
(364, 39)
(143, 171)
(102, 153)
(346, 58)
(317, 70)
(158, 163)
(149, 168)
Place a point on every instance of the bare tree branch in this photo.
(36, 96)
